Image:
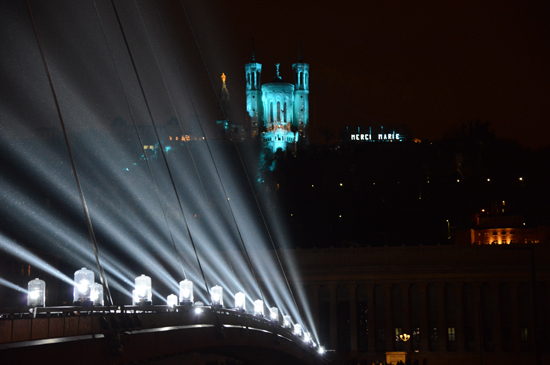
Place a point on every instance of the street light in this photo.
(172, 300)
(97, 294)
(240, 302)
(287, 322)
(217, 296)
(274, 314)
(186, 292)
(82, 291)
(37, 293)
(298, 329)
(259, 308)
(143, 293)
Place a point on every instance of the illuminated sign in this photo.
(380, 137)
(354, 134)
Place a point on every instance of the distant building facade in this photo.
(459, 304)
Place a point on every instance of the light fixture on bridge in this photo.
(37, 293)
(240, 302)
(307, 337)
(186, 292)
(298, 329)
(198, 307)
(97, 294)
(274, 314)
(322, 350)
(143, 294)
(82, 293)
(217, 296)
(172, 300)
(259, 308)
(287, 322)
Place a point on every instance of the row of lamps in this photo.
(86, 293)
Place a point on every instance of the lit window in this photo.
(398, 332)
(170, 137)
(340, 184)
(451, 334)
(524, 334)
(457, 180)
(488, 179)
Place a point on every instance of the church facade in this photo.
(278, 111)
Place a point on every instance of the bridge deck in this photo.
(120, 335)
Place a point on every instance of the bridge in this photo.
(156, 334)
(174, 209)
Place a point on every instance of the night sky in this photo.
(428, 66)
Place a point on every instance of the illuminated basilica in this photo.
(278, 111)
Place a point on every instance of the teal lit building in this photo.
(278, 111)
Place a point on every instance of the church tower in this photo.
(254, 95)
(301, 96)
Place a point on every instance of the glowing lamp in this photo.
(198, 309)
(307, 337)
(37, 293)
(298, 329)
(186, 292)
(259, 308)
(321, 350)
(97, 294)
(217, 296)
(143, 294)
(83, 280)
(134, 297)
(274, 314)
(172, 300)
(240, 302)
(287, 322)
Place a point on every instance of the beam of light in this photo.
(12, 286)
(13, 249)
(135, 226)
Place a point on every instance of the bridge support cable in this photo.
(168, 92)
(178, 255)
(160, 144)
(85, 210)
(242, 163)
(247, 256)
